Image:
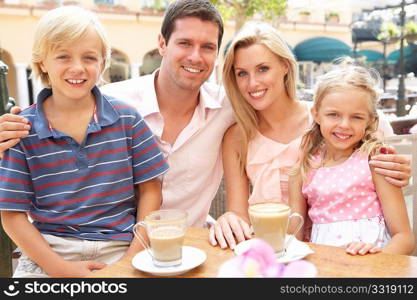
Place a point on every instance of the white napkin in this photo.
(296, 250)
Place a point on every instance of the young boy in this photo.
(86, 156)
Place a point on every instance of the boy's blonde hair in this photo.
(63, 25)
(345, 76)
(246, 118)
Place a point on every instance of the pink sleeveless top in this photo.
(268, 164)
(267, 167)
(343, 192)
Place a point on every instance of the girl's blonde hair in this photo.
(64, 25)
(246, 118)
(345, 76)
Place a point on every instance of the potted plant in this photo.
(49, 3)
(411, 31)
(119, 8)
(147, 10)
(304, 15)
(389, 32)
(70, 2)
(332, 17)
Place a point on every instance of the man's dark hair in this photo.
(201, 9)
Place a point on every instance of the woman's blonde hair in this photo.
(345, 76)
(246, 118)
(64, 25)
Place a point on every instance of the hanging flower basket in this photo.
(411, 37)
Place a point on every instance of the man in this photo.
(187, 114)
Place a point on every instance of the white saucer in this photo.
(191, 258)
(295, 251)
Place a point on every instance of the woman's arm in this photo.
(232, 226)
(297, 203)
(149, 197)
(32, 243)
(395, 214)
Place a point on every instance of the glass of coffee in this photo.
(270, 223)
(166, 230)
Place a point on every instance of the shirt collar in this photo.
(207, 101)
(106, 114)
(149, 95)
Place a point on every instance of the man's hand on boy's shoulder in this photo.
(12, 128)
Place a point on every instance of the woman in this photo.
(259, 75)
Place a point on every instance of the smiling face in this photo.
(259, 75)
(343, 116)
(74, 68)
(190, 54)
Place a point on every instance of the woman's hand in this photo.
(229, 230)
(361, 248)
(394, 167)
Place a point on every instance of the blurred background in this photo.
(378, 33)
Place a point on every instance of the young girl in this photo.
(349, 204)
(88, 169)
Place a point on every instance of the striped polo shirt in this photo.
(81, 190)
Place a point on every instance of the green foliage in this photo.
(248, 8)
(389, 31)
(411, 27)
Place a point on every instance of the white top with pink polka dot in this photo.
(342, 193)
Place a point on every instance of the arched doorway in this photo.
(119, 67)
(151, 61)
(11, 75)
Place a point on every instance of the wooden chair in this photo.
(6, 245)
(218, 205)
(407, 144)
(402, 125)
(6, 252)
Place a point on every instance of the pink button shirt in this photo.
(195, 158)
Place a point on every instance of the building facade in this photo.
(133, 27)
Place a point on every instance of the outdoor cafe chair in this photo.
(407, 144)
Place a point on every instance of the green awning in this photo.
(371, 55)
(394, 56)
(321, 49)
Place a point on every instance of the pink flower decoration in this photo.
(259, 261)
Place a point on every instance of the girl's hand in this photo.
(361, 248)
(77, 268)
(395, 167)
(229, 230)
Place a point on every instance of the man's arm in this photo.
(394, 167)
(149, 197)
(12, 128)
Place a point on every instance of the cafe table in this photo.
(330, 262)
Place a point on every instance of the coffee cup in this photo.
(165, 230)
(270, 223)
